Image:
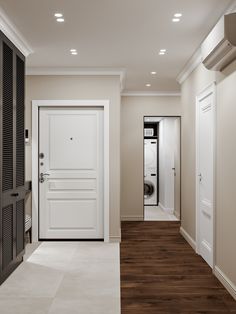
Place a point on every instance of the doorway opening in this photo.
(161, 168)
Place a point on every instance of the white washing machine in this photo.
(150, 156)
(150, 172)
(150, 190)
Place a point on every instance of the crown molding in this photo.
(231, 8)
(79, 71)
(11, 32)
(196, 59)
(190, 66)
(151, 94)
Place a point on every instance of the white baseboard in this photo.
(188, 238)
(132, 218)
(115, 239)
(167, 210)
(177, 215)
(226, 282)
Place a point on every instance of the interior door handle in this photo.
(42, 177)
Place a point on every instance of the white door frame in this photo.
(211, 89)
(36, 104)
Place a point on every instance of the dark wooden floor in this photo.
(160, 273)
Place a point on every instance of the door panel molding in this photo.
(208, 91)
(81, 104)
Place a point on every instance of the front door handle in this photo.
(42, 177)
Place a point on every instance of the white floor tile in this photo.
(25, 305)
(155, 213)
(65, 277)
(92, 305)
(30, 280)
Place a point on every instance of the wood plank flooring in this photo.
(160, 273)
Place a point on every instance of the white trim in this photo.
(177, 215)
(188, 238)
(79, 71)
(36, 104)
(211, 89)
(190, 66)
(226, 282)
(116, 239)
(196, 59)
(165, 209)
(231, 8)
(11, 32)
(132, 218)
(151, 94)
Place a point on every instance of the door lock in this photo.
(200, 177)
(42, 177)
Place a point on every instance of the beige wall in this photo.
(225, 165)
(133, 109)
(77, 87)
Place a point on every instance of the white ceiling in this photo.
(116, 34)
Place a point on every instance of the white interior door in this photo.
(177, 168)
(71, 171)
(205, 174)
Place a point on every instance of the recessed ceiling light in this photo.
(148, 85)
(175, 20)
(178, 15)
(60, 20)
(161, 53)
(73, 50)
(74, 53)
(153, 72)
(58, 15)
(162, 50)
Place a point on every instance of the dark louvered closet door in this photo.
(20, 155)
(8, 205)
(12, 156)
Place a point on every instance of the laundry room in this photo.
(161, 168)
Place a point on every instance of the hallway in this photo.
(160, 273)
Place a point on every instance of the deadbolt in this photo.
(41, 155)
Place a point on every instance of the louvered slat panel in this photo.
(7, 235)
(20, 137)
(20, 225)
(7, 128)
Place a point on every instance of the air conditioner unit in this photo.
(219, 48)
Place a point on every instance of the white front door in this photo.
(205, 174)
(71, 173)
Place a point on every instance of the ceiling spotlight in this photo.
(178, 15)
(74, 53)
(73, 50)
(162, 50)
(175, 20)
(161, 53)
(60, 20)
(58, 15)
(153, 72)
(148, 85)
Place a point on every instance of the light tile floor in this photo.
(65, 278)
(155, 213)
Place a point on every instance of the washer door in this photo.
(149, 189)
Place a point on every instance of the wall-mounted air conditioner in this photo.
(219, 48)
